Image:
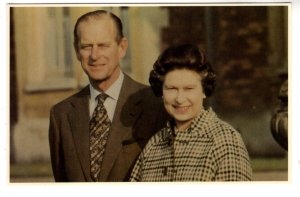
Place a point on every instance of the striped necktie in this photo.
(99, 127)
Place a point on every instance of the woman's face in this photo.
(183, 96)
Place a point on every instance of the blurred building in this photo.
(247, 46)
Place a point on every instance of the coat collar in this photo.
(199, 126)
(79, 123)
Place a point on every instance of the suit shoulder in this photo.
(131, 84)
(66, 102)
(140, 89)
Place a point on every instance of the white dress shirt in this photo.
(111, 101)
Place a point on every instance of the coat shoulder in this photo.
(140, 90)
(67, 102)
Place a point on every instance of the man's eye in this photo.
(103, 46)
(84, 47)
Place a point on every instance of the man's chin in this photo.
(98, 78)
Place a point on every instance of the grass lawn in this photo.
(269, 164)
(44, 169)
(31, 170)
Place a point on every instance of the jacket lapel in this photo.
(79, 121)
(126, 114)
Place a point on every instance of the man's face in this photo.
(99, 52)
(183, 96)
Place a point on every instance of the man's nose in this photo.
(95, 53)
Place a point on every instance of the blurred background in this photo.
(247, 46)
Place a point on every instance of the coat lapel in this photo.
(126, 114)
(79, 121)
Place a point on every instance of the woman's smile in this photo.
(181, 109)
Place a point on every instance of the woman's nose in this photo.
(180, 97)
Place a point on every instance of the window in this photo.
(56, 43)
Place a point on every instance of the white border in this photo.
(291, 188)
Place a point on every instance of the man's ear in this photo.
(123, 45)
(76, 48)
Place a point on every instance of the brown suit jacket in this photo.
(138, 115)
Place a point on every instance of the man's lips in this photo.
(96, 66)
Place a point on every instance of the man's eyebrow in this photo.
(101, 43)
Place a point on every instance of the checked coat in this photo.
(209, 150)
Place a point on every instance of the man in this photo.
(130, 114)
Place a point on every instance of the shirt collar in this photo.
(113, 91)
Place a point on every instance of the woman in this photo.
(195, 145)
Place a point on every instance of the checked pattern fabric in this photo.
(209, 150)
(99, 127)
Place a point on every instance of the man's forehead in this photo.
(94, 21)
(98, 18)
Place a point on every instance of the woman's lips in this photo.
(181, 109)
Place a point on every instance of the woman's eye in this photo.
(189, 88)
(169, 88)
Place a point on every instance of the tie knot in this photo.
(101, 97)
